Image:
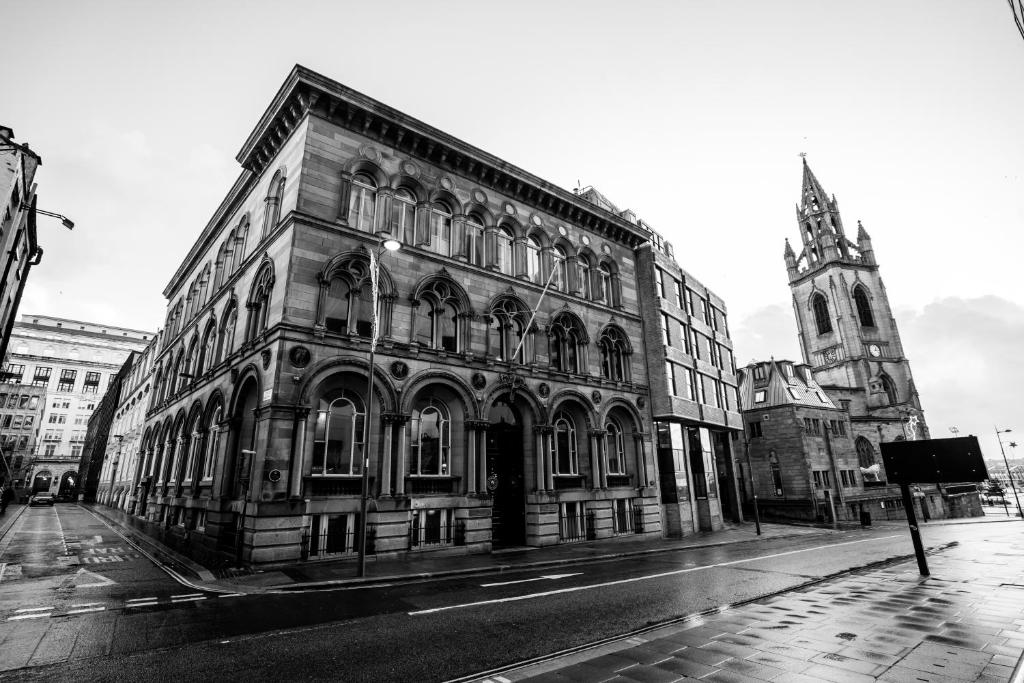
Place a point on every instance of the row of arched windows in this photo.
(184, 452)
(822, 320)
(230, 256)
(435, 226)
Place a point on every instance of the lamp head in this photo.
(392, 244)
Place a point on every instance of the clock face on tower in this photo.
(874, 350)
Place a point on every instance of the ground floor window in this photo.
(201, 519)
(430, 528)
(333, 535)
(626, 517)
(572, 521)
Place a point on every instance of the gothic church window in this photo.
(890, 390)
(567, 339)
(860, 298)
(437, 317)
(865, 452)
(615, 352)
(821, 317)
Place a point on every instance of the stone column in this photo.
(640, 454)
(400, 466)
(299, 453)
(473, 467)
(391, 421)
(547, 433)
(482, 435)
(595, 462)
(541, 458)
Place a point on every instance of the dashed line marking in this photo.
(37, 615)
(186, 595)
(84, 610)
(175, 601)
(35, 609)
(141, 604)
(86, 604)
(231, 595)
(147, 599)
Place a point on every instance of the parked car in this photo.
(42, 499)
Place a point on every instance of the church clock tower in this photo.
(847, 332)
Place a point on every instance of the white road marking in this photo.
(87, 609)
(86, 604)
(140, 599)
(34, 609)
(177, 600)
(97, 579)
(185, 595)
(634, 579)
(29, 616)
(231, 595)
(549, 577)
(141, 604)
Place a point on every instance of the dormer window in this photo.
(793, 392)
(759, 372)
(759, 396)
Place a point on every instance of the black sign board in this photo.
(934, 461)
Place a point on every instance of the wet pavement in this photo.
(964, 623)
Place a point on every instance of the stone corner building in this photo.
(487, 427)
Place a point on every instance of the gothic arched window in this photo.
(437, 317)
(362, 202)
(338, 436)
(508, 325)
(614, 348)
(337, 306)
(226, 338)
(567, 338)
(212, 445)
(475, 240)
(259, 303)
(565, 457)
(615, 448)
(860, 298)
(272, 210)
(821, 318)
(206, 350)
(241, 234)
(890, 390)
(604, 278)
(430, 439)
(865, 452)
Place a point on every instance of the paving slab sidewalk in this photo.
(885, 624)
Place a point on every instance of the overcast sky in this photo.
(691, 113)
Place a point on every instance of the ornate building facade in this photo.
(508, 385)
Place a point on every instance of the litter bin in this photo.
(865, 518)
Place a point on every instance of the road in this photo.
(126, 618)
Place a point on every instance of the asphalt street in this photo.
(58, 622)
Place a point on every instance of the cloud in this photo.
(766, 333)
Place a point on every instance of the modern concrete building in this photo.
(488, 425)
(74, 362)
(693, 392)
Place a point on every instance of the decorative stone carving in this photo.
(479, 381)
(399, 370)
(299, 356)
(595, 396)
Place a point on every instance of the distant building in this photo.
(121, 460)
(850, 343)
(21, 413)
(19, 250)
(98, 434)
(74, 362)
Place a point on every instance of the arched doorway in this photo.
(243, 440)
(68, 486)
(41, 482)
(505, 480)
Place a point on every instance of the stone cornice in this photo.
(307, 92)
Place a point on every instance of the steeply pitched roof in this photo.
(783, 384)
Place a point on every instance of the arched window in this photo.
(403, 216)
(821, 318)
(218, 269)
(860, 298)
(430, 440)
(615, 448)
(566, 337)
(338, 437)
(865, 452)
(229, 254)
(890, 390)
(188, 368)
(533, 259)
(564, 456)
(615, 350)
(475, 240)
(194, 445)
(336, 308)
(508, 325)
(178, 381)
(259, 303)
(558, 259)
(504, 238)
(362, 202)
(583, 276)
(441, 229)
(212, 444)
(207, 353)
(437, 317)
(272, 210)
(226, 338)
(239, 246)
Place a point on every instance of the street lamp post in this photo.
(753, 484)
(385, 243)
(1009, 475)
(113, 470)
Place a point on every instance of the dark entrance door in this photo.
(505, 477)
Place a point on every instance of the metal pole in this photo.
(915, 534)
(753, 485)
(1008, 474)
(361, 571)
